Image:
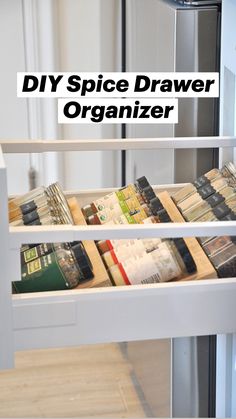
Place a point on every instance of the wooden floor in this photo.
(79, 382)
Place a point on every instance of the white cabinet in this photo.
(108, 314)
(226, 349)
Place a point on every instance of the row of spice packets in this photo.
(40, 206)
(212, 197)
(138, 261)
(48, 266)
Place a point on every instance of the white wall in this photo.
(61, 35)
(13, 111)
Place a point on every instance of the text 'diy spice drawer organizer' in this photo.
(113, 314)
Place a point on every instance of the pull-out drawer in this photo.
(113, 314)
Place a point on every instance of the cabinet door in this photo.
(226, 346)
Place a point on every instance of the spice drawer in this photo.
(112, 314)
(116, 314)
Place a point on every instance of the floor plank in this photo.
(85, 381)
(95, 380)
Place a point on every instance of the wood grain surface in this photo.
(94, 380)
(205, 269)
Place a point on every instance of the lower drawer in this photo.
(58, 319)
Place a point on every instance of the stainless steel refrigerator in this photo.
(168, 35)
